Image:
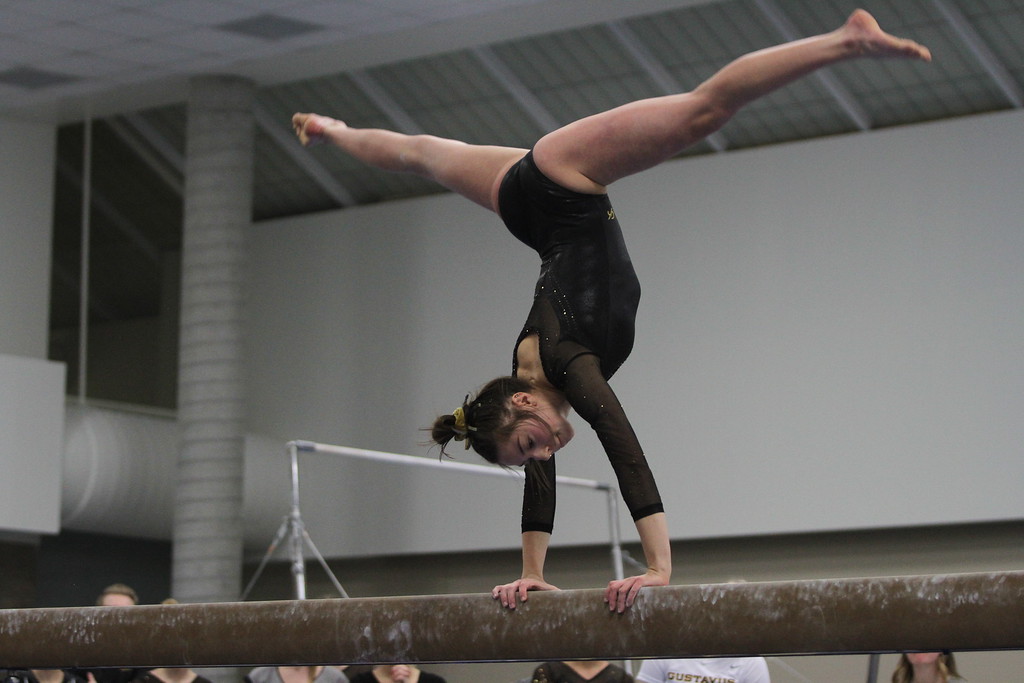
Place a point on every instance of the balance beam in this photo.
(981, 611)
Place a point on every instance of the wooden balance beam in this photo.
(980, 611)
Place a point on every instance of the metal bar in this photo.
(299, 536)
(450, 465)
(993, 66)
(287, 143)
(514, 86)
(379, 96)
(615, 533)
(83, 277)
(167, 151)
(615, 536)
(166, 162)
(873, 661)
(982, 611)
(297, 528)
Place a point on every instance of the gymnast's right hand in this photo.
(508, 592)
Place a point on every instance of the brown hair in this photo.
(904, 672)
(490, 420)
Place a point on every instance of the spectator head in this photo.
(117, 595)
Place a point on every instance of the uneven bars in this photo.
(612, 493)
(449, 465)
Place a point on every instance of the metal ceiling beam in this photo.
(523, 96)
(287, 143)
(376, 93)
(977, 47)
(856, 113)
(167, 154)
(167, 151)
(665, 81)
(980, 611)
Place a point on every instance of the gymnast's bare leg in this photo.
(470, 170)
(590, 154)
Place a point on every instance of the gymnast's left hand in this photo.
(622, 593)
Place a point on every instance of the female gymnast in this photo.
(580, 328)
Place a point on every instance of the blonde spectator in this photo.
(926, 667)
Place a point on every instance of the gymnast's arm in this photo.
(538, 521)
(653, 530)
(535, 549)
(593, 399)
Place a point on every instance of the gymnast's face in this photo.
(535, 439)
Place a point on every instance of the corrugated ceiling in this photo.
(511, 92)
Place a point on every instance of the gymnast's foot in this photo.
(869, 40)
(311, 127)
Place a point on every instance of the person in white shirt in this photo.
(712, 670)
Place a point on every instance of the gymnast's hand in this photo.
(622, 593)
(507, 593)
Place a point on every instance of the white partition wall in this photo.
(31, 442)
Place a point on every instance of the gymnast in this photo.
(580, 328)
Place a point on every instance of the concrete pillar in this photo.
(207, 551)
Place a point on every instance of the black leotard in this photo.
(583, 312)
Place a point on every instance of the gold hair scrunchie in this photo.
(460, 427)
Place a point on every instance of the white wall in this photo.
(829, 338)
(27, 154)
(31, 429)
(31, 389)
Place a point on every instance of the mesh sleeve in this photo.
(593, 399)
(539, 497)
